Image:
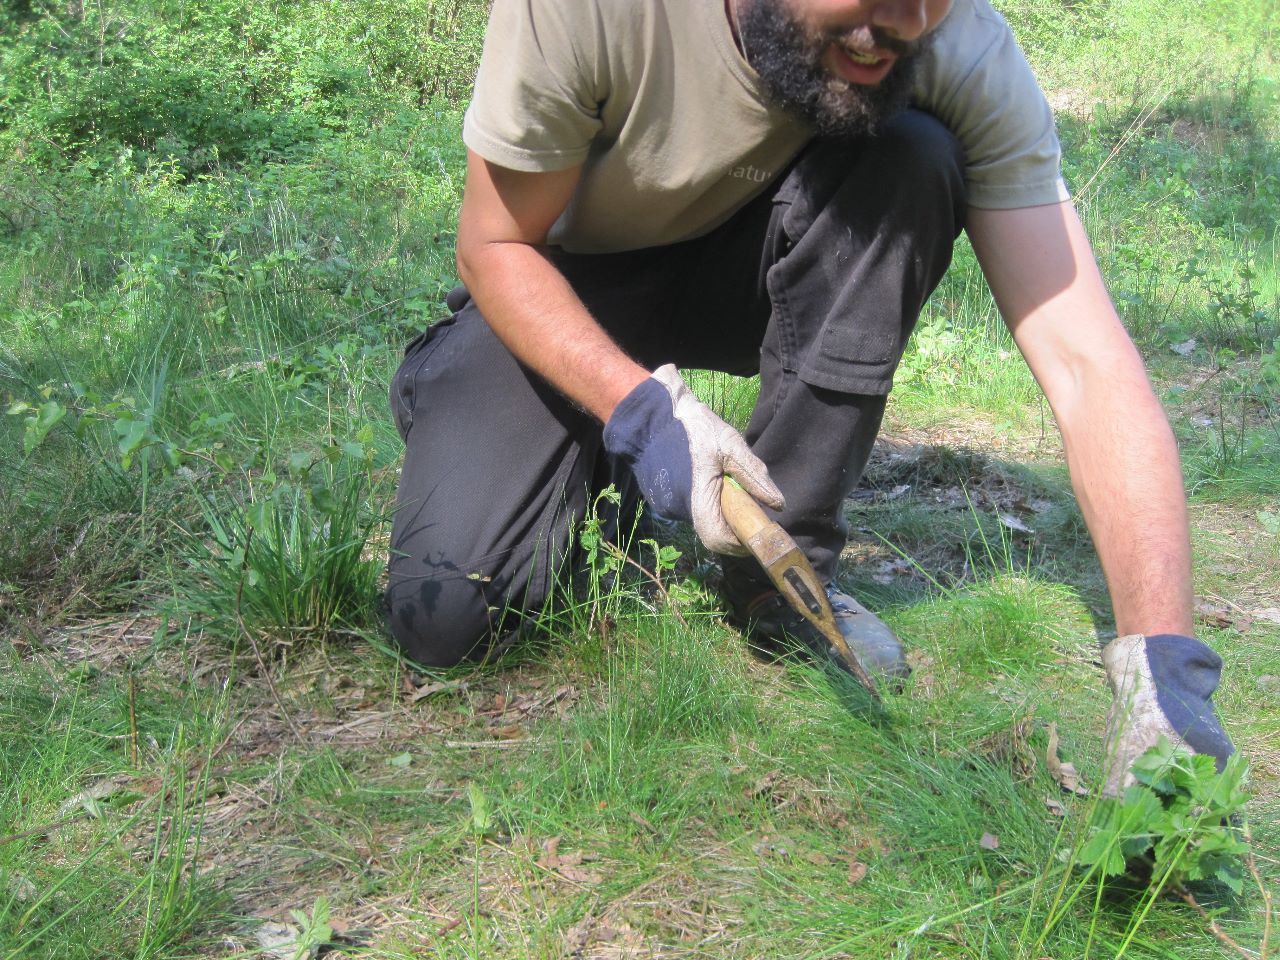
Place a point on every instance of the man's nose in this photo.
(901, 19)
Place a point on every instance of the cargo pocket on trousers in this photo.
(404, 384)
(858, 355)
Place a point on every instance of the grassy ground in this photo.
(202, 734)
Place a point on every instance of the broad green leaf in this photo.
(1103, 850)
(46, 417)
(323, 499)
(260, 512)
(133, 436)
(481, 820)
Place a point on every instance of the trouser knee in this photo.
(443, 623)
(924, 162)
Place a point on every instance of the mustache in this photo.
(871, 39)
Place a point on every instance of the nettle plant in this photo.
(1177, 819)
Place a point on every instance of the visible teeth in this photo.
(856, 57)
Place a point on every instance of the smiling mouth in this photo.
(858, 56)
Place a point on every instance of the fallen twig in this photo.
(653, 578)
(1214, 927)
(1263, 889)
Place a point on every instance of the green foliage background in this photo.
(220, 223)
(199, 84)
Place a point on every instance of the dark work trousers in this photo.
(816, 285)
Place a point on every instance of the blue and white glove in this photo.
(1162, 686)
(680, 451)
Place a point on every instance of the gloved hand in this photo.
(1162, 686)
(679, 452)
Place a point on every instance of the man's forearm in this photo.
(1120, 450)
(540, 319)
(1126, 475)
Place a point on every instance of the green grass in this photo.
(113, 871)
(217, 330)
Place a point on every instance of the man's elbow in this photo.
(468, 254)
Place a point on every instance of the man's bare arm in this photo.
(530, 306)
(1120, 450)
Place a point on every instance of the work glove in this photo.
(680, 451)
(1162, 686)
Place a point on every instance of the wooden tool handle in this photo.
(741, 510)
(789, 570)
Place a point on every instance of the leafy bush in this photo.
(229, 81)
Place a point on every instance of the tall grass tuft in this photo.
(289, 567)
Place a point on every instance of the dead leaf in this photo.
(1013, 523)
(1213, 615)
(889, 570)
(550, 858)
(873, 845)
(89, 798)
(857, 870)
(428, 689)
(1064, 773)
(1055, 808)
(510, 731)
(577, 937)
(578, 874)
(989, 841)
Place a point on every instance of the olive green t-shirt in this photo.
(673, 129)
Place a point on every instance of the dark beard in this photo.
(788, 59)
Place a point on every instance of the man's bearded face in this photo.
(844, 83)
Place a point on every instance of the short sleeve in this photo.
(538, 93)
(976, 80)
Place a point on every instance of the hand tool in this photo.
(790, 571)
